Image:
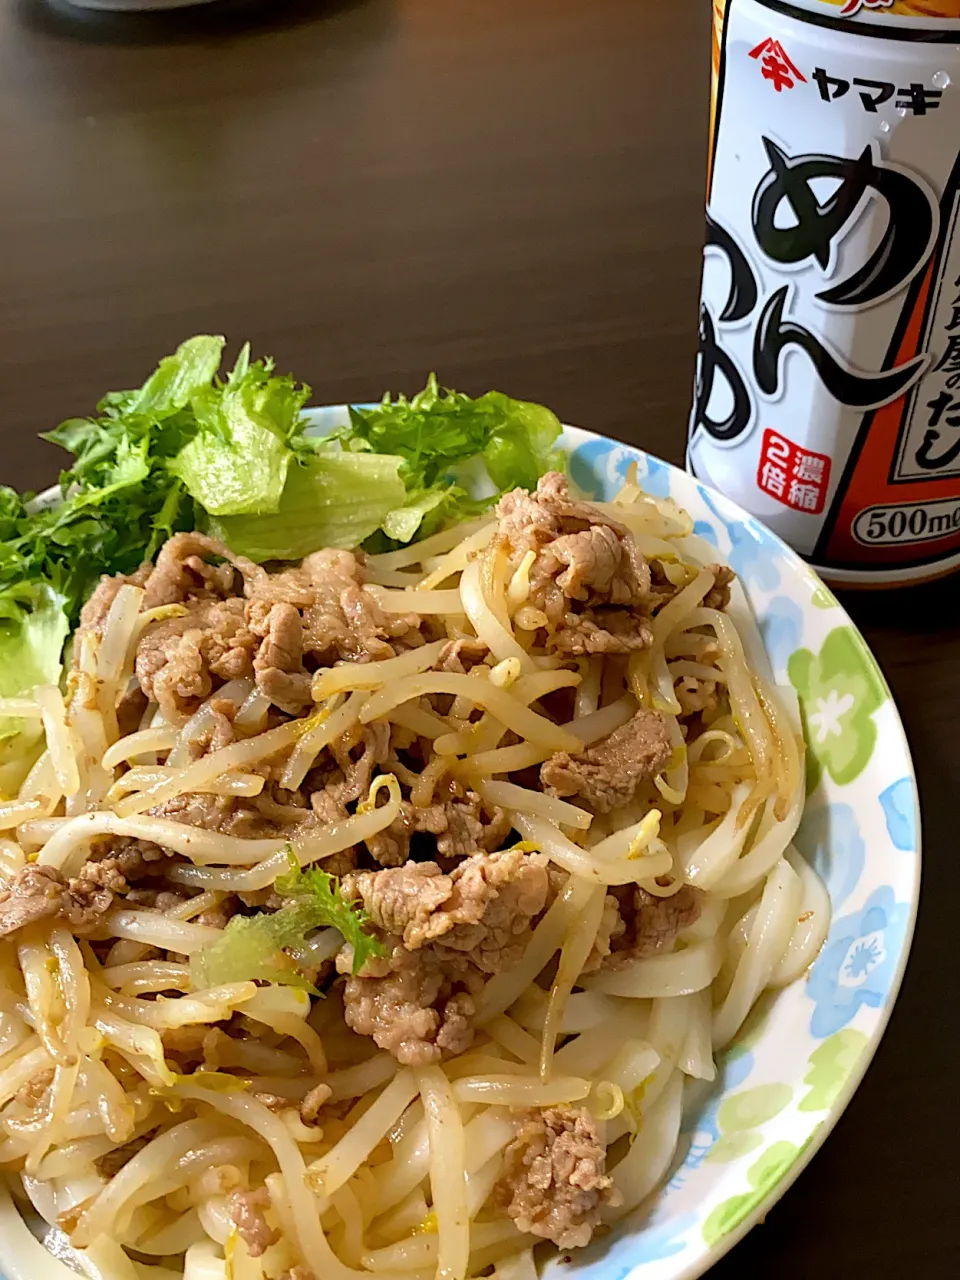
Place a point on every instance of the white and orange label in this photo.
(828, 380)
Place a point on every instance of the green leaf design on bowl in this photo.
(840, 689)
(763, 1176)
(830, 1066)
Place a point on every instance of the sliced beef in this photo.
(649, 924)
(443, 933)
(718, 597)
(602, 631)
(183, 571)
(554, 1181)
(607, 775)
(478, 910)
(359, 753)
(279, 661)
(411, 1011)
(391, 847)
(580, 554)
(341, 619)
(243, 621)
(178, 659)
(38, 893)
(471, 827)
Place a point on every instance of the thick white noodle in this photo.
(678, 973)
(812, 927)
(516, 1091)
(576, 948)
(652, 1152)
(707, 860)
(769, 937)
(447, 1174)
(63, 752)
(696, 1056)
(769, 845)
(342, 1161)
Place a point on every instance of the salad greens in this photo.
(257, 947)
(192, 449)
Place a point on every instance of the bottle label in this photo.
(828, 381)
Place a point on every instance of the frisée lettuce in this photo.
(233, 455)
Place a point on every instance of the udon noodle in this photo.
(569, 825)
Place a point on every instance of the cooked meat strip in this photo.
(718, 597)
(38, 893)
(179, 658)
(554, 1181)
(607, 775)
(602, 631)
(391, 847)
(444, 933)
(649, 924)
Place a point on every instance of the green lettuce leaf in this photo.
(178, 378)
(317, 892)
(33, 628)
(251, 948)
(257, 947)
(441, 435)
(237, 463)
(330, 499)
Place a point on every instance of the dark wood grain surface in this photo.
(510, 192)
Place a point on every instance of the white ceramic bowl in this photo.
(785, 1082)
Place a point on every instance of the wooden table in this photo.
(506, 191)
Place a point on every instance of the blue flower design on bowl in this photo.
(599, 469)
(858, 962)
(900, 811)
(781, 625)
(661, 1238)
(753, 551)
(829, 837)
(704, 529)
